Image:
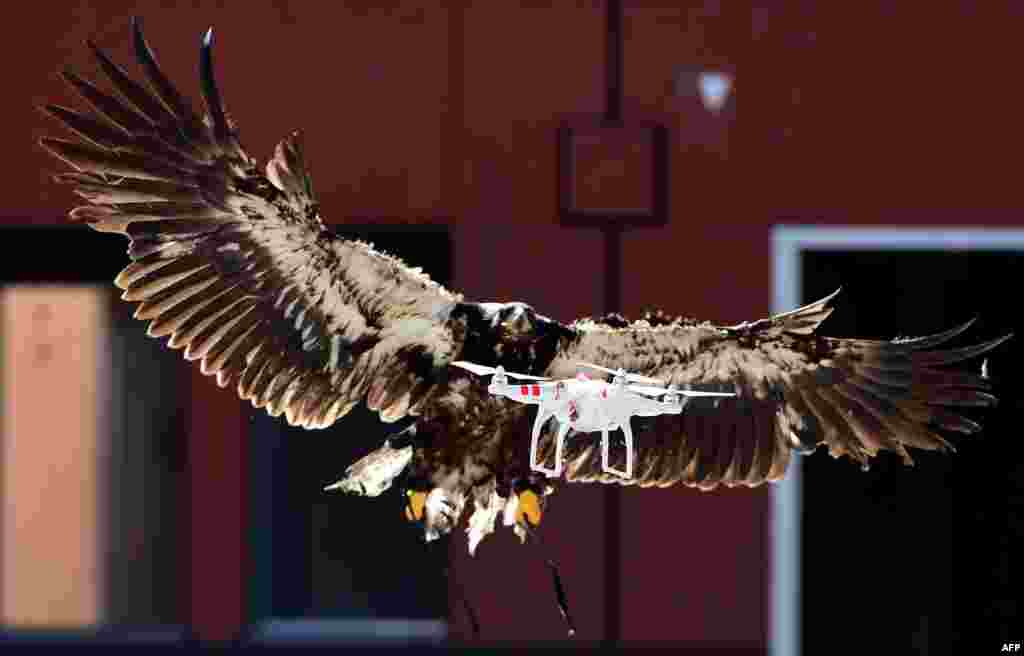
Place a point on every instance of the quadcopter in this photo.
(588, 405)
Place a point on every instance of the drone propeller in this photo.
(482, 370)
(637, 377)
(658, 391)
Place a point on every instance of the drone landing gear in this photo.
(535, 464)
(627, 433)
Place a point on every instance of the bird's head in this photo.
(515, 320)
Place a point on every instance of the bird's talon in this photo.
(529, 511)
(416, 505)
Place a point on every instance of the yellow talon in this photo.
(417, 502)
(529, 507)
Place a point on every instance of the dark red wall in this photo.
(852, 114)
(528, 70)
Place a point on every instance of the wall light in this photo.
(714, 87)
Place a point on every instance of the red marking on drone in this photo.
(524, 390)
(536, 390)
(604, 394)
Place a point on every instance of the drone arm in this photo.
(648, 409)
(524, 392)
(640, 406)
(516, 392)
(499, 388)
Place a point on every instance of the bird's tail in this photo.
(374, 473)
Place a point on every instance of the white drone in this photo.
(587, 406)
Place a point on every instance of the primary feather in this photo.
(795, 390)
(231, 262)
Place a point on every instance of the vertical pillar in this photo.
(51, 539)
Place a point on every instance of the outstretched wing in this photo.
(795, 390)
(233, 263)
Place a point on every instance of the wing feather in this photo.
(795, 390)
(234, 266)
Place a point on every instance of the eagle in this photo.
(231, 262)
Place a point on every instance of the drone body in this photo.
(586, 405)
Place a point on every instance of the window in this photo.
(906, 282)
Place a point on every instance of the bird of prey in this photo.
(231, 262)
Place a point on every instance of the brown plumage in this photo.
(231, 263)
(796, 390)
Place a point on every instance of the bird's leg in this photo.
(525, 505)
(442, 509)
(415, 505)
